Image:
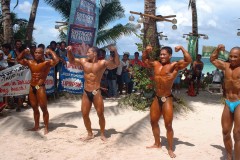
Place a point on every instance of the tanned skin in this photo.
(164, 74)
(93, 72)
(39, 68)
(231, 70)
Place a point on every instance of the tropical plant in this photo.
(18, 27)
(150, 26)
(6, 21)
(31, 21)
(192, 4)
(109, 12)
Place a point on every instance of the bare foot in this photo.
(89, 137)
(45, 131)
(103, 138)
(154, 146)
(33, 129)
(171, 154)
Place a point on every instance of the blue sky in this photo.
(216, 18)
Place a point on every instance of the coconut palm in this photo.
(18, 27)
(150, 26)
(192, 4)
(31, 21)
(109, 12)
(6, 21)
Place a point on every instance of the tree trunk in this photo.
(150, 26)
(194, 21)
(31, 21)
(7, 22)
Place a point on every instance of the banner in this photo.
(71, 79)
(192, 42)
(207, 51)
(15, 81)
(83, 24)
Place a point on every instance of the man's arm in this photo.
(214, 57)
(72, 59)
(113, 62)
(187, 58)
(145, 57)
(54, 59)
(20, 57)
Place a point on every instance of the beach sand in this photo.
(197, 133)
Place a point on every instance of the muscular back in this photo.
(164, 76)
(232, 82)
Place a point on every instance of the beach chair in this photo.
(215, 88)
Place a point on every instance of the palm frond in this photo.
(110, 12)
(109, 35)
(62, 6)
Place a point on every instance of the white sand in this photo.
(197, 134)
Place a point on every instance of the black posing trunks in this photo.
(161, 100)
(91, 95)
(35, 88)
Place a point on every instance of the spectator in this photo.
(197, 71)
(112, 79)
(11, 56)
(125, 71)
(217, 76)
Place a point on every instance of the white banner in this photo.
(15, 81)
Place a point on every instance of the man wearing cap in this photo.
(165, 72)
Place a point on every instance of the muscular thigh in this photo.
(227, 119)
(86, 104)
(42, 97)
(33, 98)
(168, 110)
(98, 102)
(237, 118)
(155, 110)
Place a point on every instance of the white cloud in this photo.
(25, 7)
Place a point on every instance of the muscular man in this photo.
(93, 71)
(164, 74)
(197, 71)
(37, 95)
(231, 111)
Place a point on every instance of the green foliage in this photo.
(136, 101)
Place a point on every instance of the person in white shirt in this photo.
(217, 76)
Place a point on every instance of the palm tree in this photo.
(6, 21)
(192, 4)
(150, 26)
(31, 21)
(18, 27)
(109, 12)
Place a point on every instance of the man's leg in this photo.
(42, 99)
(155, 113)
(85, 109)
(236, 133)
(168, 118)
(227, 123)
(99, 106)
(36, 114)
